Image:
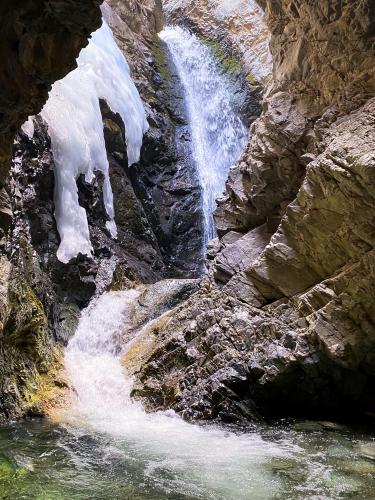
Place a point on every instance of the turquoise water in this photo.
(42, 460)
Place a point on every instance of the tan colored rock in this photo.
(240, 254)
(238, 25)
(5, 269)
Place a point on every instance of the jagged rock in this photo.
(150, 198)
(367, 450)
(39, 45)
(237, 35)
(295, 113)
(238, 25)
(240, 252)
(292, 329)
(170, 195)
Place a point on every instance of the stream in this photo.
(105, 446)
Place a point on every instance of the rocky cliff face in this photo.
(286, 323)
(238, 27)
(39, 44)
(169, 196)
(156, 208)
(238, 36)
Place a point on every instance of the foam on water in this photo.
(200, 461)
(218, 134)
(76, 129)
(172, 456)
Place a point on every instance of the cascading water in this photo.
(217, 132)
(159, 456)
(106, 445)
(176, 456)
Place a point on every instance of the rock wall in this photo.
(39, 44)
(285, 325)
(170, 196)
(238, 36)
(150, 199)
(237, 25)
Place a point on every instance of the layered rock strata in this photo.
(286, 325)
(150, 198)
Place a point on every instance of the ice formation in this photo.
(76, 129)
(28, 127)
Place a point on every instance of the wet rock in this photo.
(239, 27)
(301, 317)
(360, 468)
(164, 295)
(318, 426)
(288, 469)
(366, 450)
(27, 206)
(7, 468)
(164, 181)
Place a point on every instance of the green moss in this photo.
(229, 64)
(7, 469)
(27, 327)
(252, 80)
(161, 61)
(44, 392)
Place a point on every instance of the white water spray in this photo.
(76, 129)
(179, 457)
(218, 134)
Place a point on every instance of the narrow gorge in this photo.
(187, 249)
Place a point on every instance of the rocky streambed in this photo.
(198, 386)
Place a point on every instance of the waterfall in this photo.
(76, 129)
(175, 456)
(217, 132)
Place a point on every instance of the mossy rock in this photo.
(229, 64)
(7, 468)
(288, 469)
(48, 391)
(161, 60)
(27, 326)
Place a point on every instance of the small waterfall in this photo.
(217, 132)
(173, 455)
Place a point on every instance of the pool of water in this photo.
(44, 460)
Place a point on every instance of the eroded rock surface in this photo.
(286, 324)
(170, 194)
(156, 205)
(237, 25)
(39, 44)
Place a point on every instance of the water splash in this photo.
(180, 457)
(218, 134)
(160, 452)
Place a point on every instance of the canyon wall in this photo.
(159, 225)
(237, 26)
(285, 323)
(40, 42)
